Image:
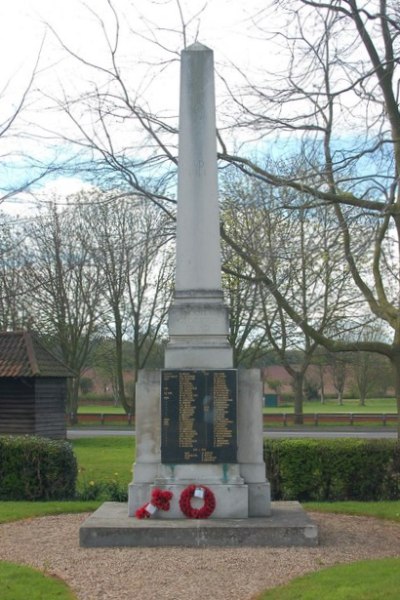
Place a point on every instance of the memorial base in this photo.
(245, 476)
(110, 527)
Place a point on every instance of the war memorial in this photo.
(199, 478)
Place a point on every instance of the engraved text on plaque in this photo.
(198, 412)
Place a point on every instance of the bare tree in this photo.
(342, 75)
(129, 242)
(13, 311)
(340, 370)
(362, 374)
(299, 252)
(334, 101)
(65, 290)
(111, 243)
(246, 334)
(150, 286)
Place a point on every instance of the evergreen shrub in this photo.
(35, 468)
(333, 470)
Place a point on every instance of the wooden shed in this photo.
(33, 387)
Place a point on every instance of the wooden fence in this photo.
(273, 420)
(288, 419)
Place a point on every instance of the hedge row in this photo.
(329, 470)
(34, 468)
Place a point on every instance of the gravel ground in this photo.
(51, 544)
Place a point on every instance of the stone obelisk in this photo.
(199, 431)
(199, 421)
(198, 321)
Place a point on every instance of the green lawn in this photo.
(382, 510)
(100, 458)
(22, 583)
(366, 580)
(13, 510)
(373, 405)
(105, 458)
(105, 410)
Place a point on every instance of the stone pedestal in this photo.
(110, 527)
(241, 489)
(198, 326)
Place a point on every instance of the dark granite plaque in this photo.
(198, 416)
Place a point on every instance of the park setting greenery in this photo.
(36, 468)
(309, 155)
(103, 459)
(310, 220)
(17, 579)
(337, 469)
(366, 580)
(298, 469)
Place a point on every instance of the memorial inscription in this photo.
(198, 413)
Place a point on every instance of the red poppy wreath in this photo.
(197, 513)
(160, 500)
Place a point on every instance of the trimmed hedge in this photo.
(333, 470)
(35, 468)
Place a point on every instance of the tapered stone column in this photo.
(198, 321)
(206, 415)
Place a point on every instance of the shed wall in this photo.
(33, 406)
(50, 401)
(17, 405)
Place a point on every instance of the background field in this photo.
(373, 405)
(105, 458)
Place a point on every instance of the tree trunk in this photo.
(119, 360)
(297, 385)
(322, 392)
(395, 360)
(340, 398)
(72, 399)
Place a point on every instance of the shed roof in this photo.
(22, 355)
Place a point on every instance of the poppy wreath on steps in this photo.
(160, 500)
(185, 502)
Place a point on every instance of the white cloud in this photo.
(26, 204)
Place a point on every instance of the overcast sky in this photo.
(150, 33)
(223, 25)
(28, 28)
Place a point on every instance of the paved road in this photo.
(273, 433)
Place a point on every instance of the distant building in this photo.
(33, 387)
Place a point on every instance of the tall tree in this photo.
(333, 99)
(130, 243)
(299, 252)
(150, 286)
(13, 310)
(65, 299)
(342, 76)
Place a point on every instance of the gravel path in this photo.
(51, 544)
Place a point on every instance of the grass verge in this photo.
(382, 510)
(372, 405)
(101, 409)
(105, 458)
(16, 510)
(17, 581)
(369, 580)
